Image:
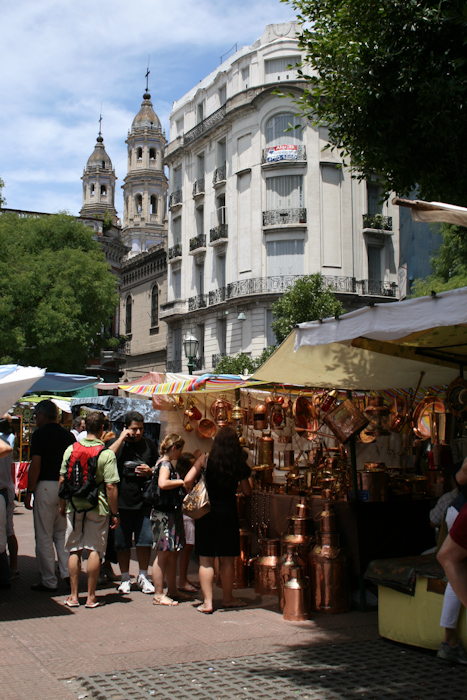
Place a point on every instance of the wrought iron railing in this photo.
(218, 232)
(198, 242)
(217, 357)
(198, 302)
(378, 221)
(175, 198)
(218, 295)
(219, 175)
(299, 154)
(205, 126)
(174, 365)
(198, 187)
(281, 217)
(175, 251)
(377, 288)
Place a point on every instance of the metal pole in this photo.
(353, 469)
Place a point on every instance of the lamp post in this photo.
(190, 346)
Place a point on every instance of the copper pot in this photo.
(265, 567)
(287, 561)
(376, 482)
(206, 428)
(296, 595)
(265, 450)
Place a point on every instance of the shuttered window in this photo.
(285, 257)
(277, 130)
(284, 192)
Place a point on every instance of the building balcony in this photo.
(175, 199)
(175, 251)
(220, 175)
(377, 222)
(377, 288)
(205, 126)
(282, 217)
(217, 296)
(198, 188)
(197, 242)
(198, 302)
(218, 233)
(286, 154)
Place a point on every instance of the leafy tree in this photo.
(2, 198)
(450, 264)
(389, 80)
(308, 299)
(242, 363)
(57, 292)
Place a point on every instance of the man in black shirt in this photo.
(48, 444)
(136, 456)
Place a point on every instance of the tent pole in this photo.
(353, 469)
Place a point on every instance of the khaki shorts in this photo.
(86, 531)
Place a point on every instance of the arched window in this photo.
(128, 310)
(103, 190)
(276, 130)
(152, 154)
(139, 203)
(154, 306)
(139, 153)
(153, 204)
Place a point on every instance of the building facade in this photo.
(255, 202)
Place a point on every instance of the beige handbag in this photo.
(196, 503)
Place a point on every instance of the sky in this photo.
(66, 61)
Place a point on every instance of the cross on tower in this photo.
(147, 78)
(100, 124)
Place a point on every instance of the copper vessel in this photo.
(375, 481)
(259, 417)
(221, 411)
(296, 596)
(263, 473)
(286, 459)
(378, 414)
(299, 534)
(265, 568)
(329, 568)
(265, 450)
(287, 561)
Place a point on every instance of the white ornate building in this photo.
(253, 204)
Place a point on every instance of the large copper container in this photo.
(375, 482)
(296, 596)
(259, 417)
(329, 579)
(265, 567)
(299, 534)
(265, 450)
(286, 563)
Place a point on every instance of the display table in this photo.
(367, 530)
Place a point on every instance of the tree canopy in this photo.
(389, 80)
(449, 265)
(242, 363)
(57, 292)
(308, 299)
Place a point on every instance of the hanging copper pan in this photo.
(424, 414)
(303, 414)
(206, 428)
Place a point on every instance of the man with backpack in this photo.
(89, 501)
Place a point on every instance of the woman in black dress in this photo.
(217, 533)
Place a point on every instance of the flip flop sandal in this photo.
(97, 604)
(164, 600)
(69, 604)
(205, 612)
(189, 588)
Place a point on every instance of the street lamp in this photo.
(190, 346)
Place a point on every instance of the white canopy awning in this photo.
(428, 212)
(14, 382)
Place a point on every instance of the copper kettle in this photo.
(296, 596)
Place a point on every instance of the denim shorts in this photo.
(133, 523)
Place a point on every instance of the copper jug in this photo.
(296, 595)
(287, 561)
(330, 588)
(265, 450)
(259, 417)
(265, 568)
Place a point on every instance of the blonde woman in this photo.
(167, 525)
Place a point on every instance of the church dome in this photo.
(146, 115)
(99, 156)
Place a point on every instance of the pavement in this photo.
(131, 649)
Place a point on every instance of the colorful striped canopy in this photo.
(204, 383)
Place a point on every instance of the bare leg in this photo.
(171, 573)
(92, 570)
(158, 573)
(184, 559)
(74, 568)
(143, 555)
(227, 579)
(453, 559)
(206, 579)
(124, 561)
(13, 552)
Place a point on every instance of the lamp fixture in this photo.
(241, 316)
(190, 347)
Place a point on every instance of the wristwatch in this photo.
(115, 515)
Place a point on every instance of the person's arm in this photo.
(461, 476)
(165, 482)
(112, 498)
(194, 472)
(33, 476)
(116, 445)
(5, 449)
(246, 486)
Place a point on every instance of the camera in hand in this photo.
(130, 466)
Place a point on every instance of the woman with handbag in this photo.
(167, 521)
(217, 533)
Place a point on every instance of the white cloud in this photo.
(62, 59)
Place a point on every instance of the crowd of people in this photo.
(108, 511)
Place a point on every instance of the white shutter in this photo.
(285, 257)
(284, 192)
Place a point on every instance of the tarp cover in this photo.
(117, 406)
(56, 382)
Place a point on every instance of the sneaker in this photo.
(144, 585)
(124, 587)
(455, 654)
